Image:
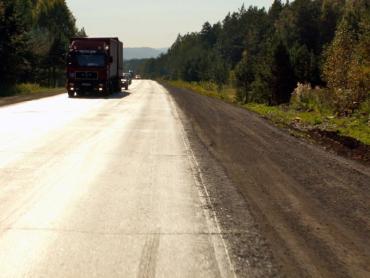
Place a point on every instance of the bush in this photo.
(306, 98)
(337, 101)
(365, 108)
(345, 101)
(260, 91)
(28, 88)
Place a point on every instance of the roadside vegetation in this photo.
(27, 91)
(304, 62)
(30, 89)
(316, 114)
(34, 38)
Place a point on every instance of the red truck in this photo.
(94, 65)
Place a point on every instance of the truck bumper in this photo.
(85, 87)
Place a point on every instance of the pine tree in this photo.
(339, 56)
(244, 74)
(13, 39)
(283, 80)
(53, 27)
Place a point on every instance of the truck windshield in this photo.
(90, 60)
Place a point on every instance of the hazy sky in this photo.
(151, 23)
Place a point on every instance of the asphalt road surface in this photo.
(104, 188)
(159, 182)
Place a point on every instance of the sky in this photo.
(151, 23)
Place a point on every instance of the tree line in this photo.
(266, 53)
(34, 38)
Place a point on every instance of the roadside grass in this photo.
(27, 89)
(25, 92)
(227, 93)
(37, 89)
(356, 126)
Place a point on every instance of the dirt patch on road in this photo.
(310, 207)
(342, 145)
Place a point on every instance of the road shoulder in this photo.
(4, 101)
(306, 205)
(249, 252)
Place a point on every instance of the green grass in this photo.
(29, 89)
(356, 126)
(210, 89)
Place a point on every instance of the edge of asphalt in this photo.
(240, 241)
(221, 251)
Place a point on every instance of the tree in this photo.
(53, 26)
(275, 10)
(209, 34)
(244, 74)
(261, 86)
(81, 33)
(231, 40)
(331, 13)
(339, 56)
(34, 38)
(347, 64)
(304, 63)
(13, 39)
(267, 53)
(283, 81)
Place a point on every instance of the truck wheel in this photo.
(107, 91)
(71, 94)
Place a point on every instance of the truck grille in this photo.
(88, 75)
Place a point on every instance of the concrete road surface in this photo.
(104, 188)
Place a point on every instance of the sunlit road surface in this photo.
(103, 188)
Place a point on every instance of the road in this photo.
(161, 182)
(104, 188)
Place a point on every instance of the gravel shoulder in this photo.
(286, 207)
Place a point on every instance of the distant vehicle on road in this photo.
(138, 76)
(131, 73)
(126, 81)
(94, 65)
(129, 76)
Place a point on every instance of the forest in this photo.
(34, 38)
(314, 54)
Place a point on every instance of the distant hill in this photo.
(142, 52)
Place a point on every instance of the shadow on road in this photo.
(117, 95)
